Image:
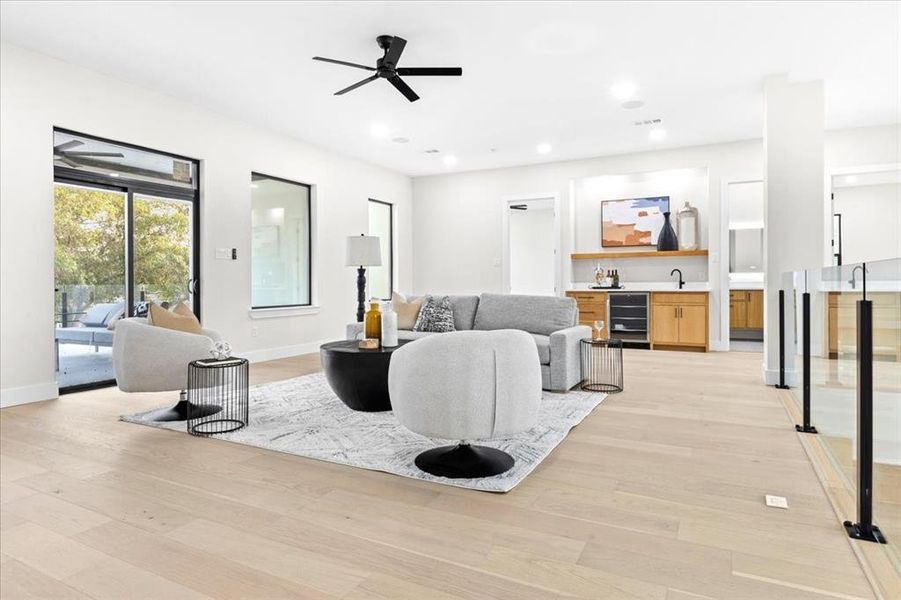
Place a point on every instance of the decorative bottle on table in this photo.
(389, 326)
(372, 324)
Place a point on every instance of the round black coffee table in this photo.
(358, 376)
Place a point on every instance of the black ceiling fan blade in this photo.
(67, 145)
(343, 62)
(69, 162)
(394, 51)
(418, 71)
(115, 154)
(403, 88)
(356, 85)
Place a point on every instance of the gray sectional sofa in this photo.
(550, 320)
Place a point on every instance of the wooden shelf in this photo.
(635, 254)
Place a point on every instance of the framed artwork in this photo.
(632, 222)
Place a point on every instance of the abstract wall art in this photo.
(632, 222)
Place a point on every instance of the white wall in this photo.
(39, 92)
(871, 221)
(532, 260)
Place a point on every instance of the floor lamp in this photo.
(363, 251)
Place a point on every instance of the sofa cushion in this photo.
(544, 348)
(535, 314)
(407, 310)
(436, 315)
(464, 311)
(180, 319)
(97, 315)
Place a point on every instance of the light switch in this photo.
(223, 254)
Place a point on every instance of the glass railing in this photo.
(838, 381)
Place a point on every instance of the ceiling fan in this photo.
(386, 68)
(67, 156)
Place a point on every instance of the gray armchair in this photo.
(155, 359)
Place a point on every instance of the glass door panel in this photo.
(163, 251)
(89, 280)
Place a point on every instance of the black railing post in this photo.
(805, 427)
(781, 385)
(65, 309)
(864, 528)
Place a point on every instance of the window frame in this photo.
(390, 244)
(310, 230)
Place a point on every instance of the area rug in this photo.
(302, 416)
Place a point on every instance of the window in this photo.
(381, 225)
(280, 245)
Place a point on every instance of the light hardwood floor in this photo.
(658, 494)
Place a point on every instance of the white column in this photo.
(793, 198)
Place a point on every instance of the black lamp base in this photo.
(464, 461)
(361, 293)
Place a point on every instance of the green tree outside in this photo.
(90, 247)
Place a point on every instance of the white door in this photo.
(532, 244)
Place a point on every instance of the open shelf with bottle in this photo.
(635, 254)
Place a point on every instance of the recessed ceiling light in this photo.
(400, 140)
(113, 174)
(543, 148)
(450, 160)
(623, 90)
(851, 179)
(657, 135)
(379, 130)
(632, 104)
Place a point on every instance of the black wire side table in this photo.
(602, 365)
(218, 395)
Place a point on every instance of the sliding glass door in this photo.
(89, 286)
(126, 226)
(163, 250)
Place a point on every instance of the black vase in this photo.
(667, 240)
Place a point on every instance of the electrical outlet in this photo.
(776, 501)
(254, 331)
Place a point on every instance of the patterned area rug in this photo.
(303, 416)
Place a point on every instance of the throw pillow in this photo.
(407, 311)
(180, 318)
(436, 315)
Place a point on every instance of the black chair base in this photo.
(464, 461)
(179, 412)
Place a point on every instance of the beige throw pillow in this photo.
(407, 312)
(180, 318)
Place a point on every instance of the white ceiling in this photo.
(533, 72)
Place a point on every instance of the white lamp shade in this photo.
(363, 251)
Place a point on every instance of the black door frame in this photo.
(131, 187)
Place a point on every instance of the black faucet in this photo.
(853, 280)
(681, 283)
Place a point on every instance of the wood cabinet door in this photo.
(755, 309)
(738, 314)
(664, 324)
(693, 325)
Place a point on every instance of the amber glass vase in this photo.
(372, 323)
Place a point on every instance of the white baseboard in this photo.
(718, 346)
(28, 394)
(255, 356)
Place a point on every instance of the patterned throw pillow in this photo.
(436, 315)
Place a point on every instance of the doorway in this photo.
(745, 218)
(126, 234)
(866, 215)
(532, 246)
